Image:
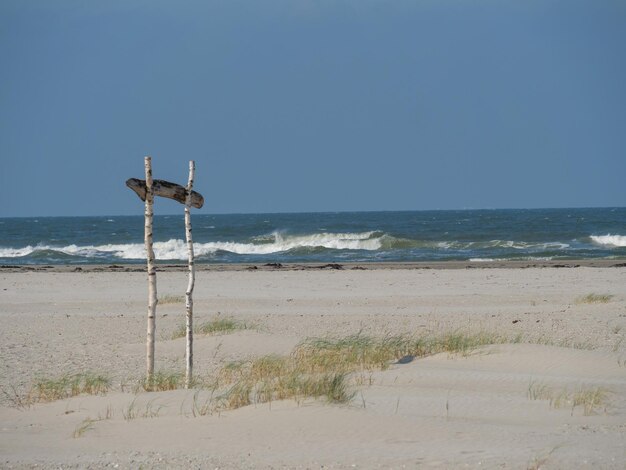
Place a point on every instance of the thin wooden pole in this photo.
(152, 286)
(189, 293)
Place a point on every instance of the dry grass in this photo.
(293, 384)
(88, 423)
(538, 392)
(594, 299)
(201, 407)
(359, 352)
(326, 368)
(217, 325)
(539, 462)
(15, 398)
(317, 368)
(51, 389)
(269, 378)
(162, 381)
(564, 343)
(589, 398)
(83, 427)
(108, 414)
(171, 299)
(131, 411)
(149, 410)
(321, 367)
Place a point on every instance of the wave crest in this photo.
(312, 243)
(609, 240)
(176, 249)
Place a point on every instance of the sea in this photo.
(331, 237)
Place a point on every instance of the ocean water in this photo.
(538, 234)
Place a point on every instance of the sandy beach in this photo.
(508, 405)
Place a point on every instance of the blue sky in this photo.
(293, 106)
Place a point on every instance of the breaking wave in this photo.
(367, 245)
(176, 249)
(515, 245)
(609, 240)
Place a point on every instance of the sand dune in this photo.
(495, 407)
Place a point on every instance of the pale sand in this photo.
(439, 411)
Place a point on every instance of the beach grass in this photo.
(217, 325)
(15, 398)
(162, 381)
(589, 398)
(359, 352)
(171, 299)
(322, 367)
(201, 407)
(537, 391)
(292, 384)
(83, 427)
(593, 298)
(69, 385)
(108, 413)
(149, 410)
(563, 343)
(88, 423)
(131, 412)
(538, 462)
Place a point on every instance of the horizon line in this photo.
(467, 209)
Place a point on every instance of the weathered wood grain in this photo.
(166, 189)
(152, 281)
(192, 278)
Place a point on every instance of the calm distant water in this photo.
(322, 237)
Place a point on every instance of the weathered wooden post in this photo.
(146, 190)
(152, 286)
(189, 293)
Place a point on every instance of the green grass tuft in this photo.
(162, 381)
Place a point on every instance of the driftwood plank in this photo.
(165, 189)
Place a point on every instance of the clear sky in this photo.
(302, 105)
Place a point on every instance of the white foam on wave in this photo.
(175, 249)
(609, 240)
(523, 258)
(516, 245)
(277, 242)
(16, 252)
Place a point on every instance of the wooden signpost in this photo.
(192, 279)
(152, 281)
(165, 189)
(146, 190)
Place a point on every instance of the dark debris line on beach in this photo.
(87, 268)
